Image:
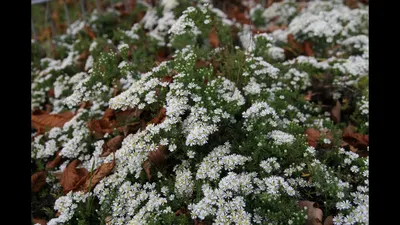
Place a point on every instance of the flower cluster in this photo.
(218, 130)
(218, 159)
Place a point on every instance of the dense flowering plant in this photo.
(187, 117)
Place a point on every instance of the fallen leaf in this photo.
(83, 56)
(313, 136)
(89, 31)
(38, 180)
(45, 121)
(146, 167)
(112, 145)
(131, 128)
(358, 143)
(101, 172)
(160, 118)
(301, 5)
(39, 221)
(350, 129)
(48, 108)
(294, 44)
(233, 12)
(357, 140)
(268, 3)
(213, 37)
(55, 17)
(108, 123)
(352, 4)
(314, 214)
(167, 79)
(72, 176)
(201, 64)
(336, 111)
(308, 96)
(353, 149)
(109, 114)
(130, 112)
(271, 28)
(100, 127)
(328, 220)
(198, 222)
(156, 157)
(58, 175)
(51, 93)
(55, 162)
(343, 143)
(84, 105)
(162, 55)
(307, 48)
(181, 211)
(44, 34)
(108, 220)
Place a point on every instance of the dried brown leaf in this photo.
(100, 127)
(58, 175)
(45, 121)
(274, 27)
(307, 48)
(352, 4)
(83, 56)
(201, 64)
(146, 167)
(336, 111)
(55, 162)
(314, 214)
(313, 136)
(38, 180)
(357, 140)
(308, 96)
(198, 222)
(109, 114)
(108, 220)
(294, 44)
(72, 176)
(350, 129)
(39, 221)
(89, 31)
(156, 157)
(112, 145)
(160, 118)
(213, 37)
(162, 55)
(167, 79)
(101, 172)
(353, 149)
(328, 220)
(233, 12)
(301, 5)
(131, 128)
(182, 211)
(50, 92)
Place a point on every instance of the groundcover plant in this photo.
(204, 112)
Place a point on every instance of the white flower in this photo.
(327, 141)
(172, 147)
(280, 137)
(191, 154)
(123, 46)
